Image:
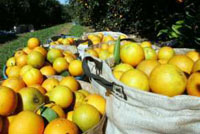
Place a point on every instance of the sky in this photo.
(62, 1)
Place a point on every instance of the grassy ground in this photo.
(8, 49)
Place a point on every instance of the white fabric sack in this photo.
(132, 111)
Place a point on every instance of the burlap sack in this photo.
(132, 111)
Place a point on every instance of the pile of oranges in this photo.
(63, 41)
(34, 102)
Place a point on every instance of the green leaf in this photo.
(117, 51)
(180, 22)
(163, 31)
(175, 28)
(65, 73)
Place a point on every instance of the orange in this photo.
(70, 82)
(53, 54)
(41, 50)
(21, 60)
(166, 53)
(24, 69)
(167, 80)
(136, 79)
(61, 126)
(132, 54)
(196, 66)
(14, 83)
(98, 50)
(8, 70)
(65, 42)
(14, 71)
(35, 59)
(69, 58)
(146, 44)
(117, 74)
(150, 53)
(57, 109)
(71, 40)
(33, 76)
(163, 61)
(11, 62)
(107, 38)
(100, 35)
(194, 55)
(50, 84)
(60, 64)
(193, 84)
(69, 115)
(8, 101)
(33, 42)
(147, 66)
(39, 87)
(27, 122)
(183, 62)
(111, 48)
(18, 53)
(69, 53)
(104, 46)
(48, 70)
(122, 67)
(92, 52)
(97, 101)
(104, 54)
(27, 50)
(75, 68)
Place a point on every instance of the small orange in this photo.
(70, 82)
(104, 46)
(71, 40)
(194, 55)
(60, 64)
(98, 50)
(69, 53)
(97, 101)
(50, 84)
(36, 59)
(18, 53)
(24, 69)
(75, 68)
(146, 44)
(69, 58)
(27, 122)
(117, 74)
(39, 87)
(14, 71)
(14, 83)
(11, 62)
(111, 48)
(61, 126)
(8, 101)
(33, 76)
(41, 50)
(53, 54)
(92, 52)
(33, 42)
(21, 60)
(48, 70)
(8, 70)
(27, 50)
(196, 66)
(69, 115)
(193, 84)
(166, 53)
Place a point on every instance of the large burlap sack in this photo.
(132, 111)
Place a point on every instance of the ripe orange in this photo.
(35, 59)
(117, 74)
(14, 71)
(7, 70)
(163, 61)
(98, 50)
(183, 62)
(150, 53)
(47, 70)
(70, 82)
(61, 126)
(18, 53)
(57, 109)
(60, 64)
(136, 79)
(27, 50)
(193, 84)
(14, 83)
(111, 48)
(69, 58)
(21, 60)
(104, 54)
(11, 62)
(146, 44)
(75, 68)
(8, 101)
(27, 122)
(24, 69)
(41, 50)
(71, 40)
(122, 67)
(50, 84)
(92, 52)
(107, 38)
(132, 54)
(104, 46)
(33, 76)
(69, 115)
(39, 87)
(194, 55)
(166, 53)
(97, 101)
(147, 66)
(69, 53)
(53, 54)
(167, 80)
(33, 42)
(196, 66)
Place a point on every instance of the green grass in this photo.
(78, 30)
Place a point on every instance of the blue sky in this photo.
(62, 1)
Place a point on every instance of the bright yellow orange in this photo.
(75, 68)
(21, 60)
(193, 84)
(11, 62)
(33, 42)
(18, 53)
(14, 83)
(70, 82)
(163, 61)
(150, 53)
(166, 53)
(41, 50)
(69, 58)
(27, 50)
(132, 54)
(69, 115)
(71, 40)
(111, 48)
(8, 101)
(39, 87)
(194, 55)
(98, 50)
(117, 74)
(69, 53)
(123, 67)
(50, 84)
(196, 66)
(97, 101)
(27, 122)
(24, 69)
(8, 70)
(104, 54)
(146, 44)
(61, 126)
(60, 64)
(92, 52)
(104, 46)
(53, 54)
(32, 76)
(14, 71)
(35, 59)
(183, 62)
(48, 70)
(65, 42)
(107, 38)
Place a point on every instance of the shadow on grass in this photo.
(6, 38)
